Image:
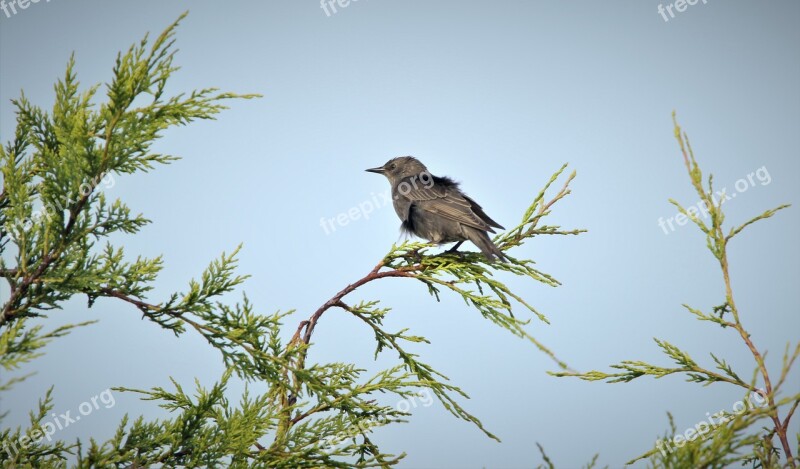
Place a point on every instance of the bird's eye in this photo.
(392, 166)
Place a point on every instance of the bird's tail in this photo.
(481, 239)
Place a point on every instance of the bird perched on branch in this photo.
(434, 208)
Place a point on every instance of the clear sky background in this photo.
(497, 95)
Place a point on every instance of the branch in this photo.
(336, 300)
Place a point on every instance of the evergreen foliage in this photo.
(54, 229)
(729, 438)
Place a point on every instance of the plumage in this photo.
(435, 208)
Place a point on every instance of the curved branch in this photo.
(336, 301)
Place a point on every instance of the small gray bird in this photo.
(434, 208)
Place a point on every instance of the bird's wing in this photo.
(450, 203)
(479, 211)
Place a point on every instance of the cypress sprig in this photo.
(735, 441)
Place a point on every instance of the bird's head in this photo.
(401, 167)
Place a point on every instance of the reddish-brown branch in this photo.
(144, 307)
(306, 328)
(789, 415)
(18, 291)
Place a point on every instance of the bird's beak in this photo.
(378, 170)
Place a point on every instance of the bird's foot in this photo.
(454, 251)
(461, 255)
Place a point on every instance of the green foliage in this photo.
(734, 438)
(548, 463)
(722, 446)
(54, 225)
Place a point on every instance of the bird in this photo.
(436, 209)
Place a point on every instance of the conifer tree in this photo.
(54, 245)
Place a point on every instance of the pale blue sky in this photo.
(497, 95)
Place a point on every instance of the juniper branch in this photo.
(717, 242)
